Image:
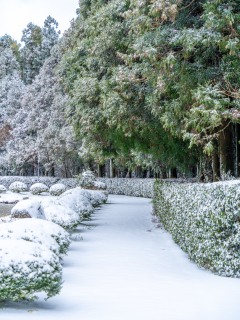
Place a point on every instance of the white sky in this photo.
(16, 14)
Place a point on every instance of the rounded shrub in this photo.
(27, 268)
(18, 186)
(57, 189)
(38, 188)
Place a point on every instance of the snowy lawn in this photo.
(126, 268)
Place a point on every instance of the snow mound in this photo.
(10, 197)
(57, 189)
(28, 209)
(47, 202)
(27, 268)
(38, 188)
(63, 216)
(8, 219)
(2, 189)
(18, 186)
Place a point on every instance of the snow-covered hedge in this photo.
(129, 187)
(27, 268)
(204, 220)
(18, 186)
(23, 230)
(77, 200)
(43, 232)
(63, 216)
(31, 249)
(39, 188)
(96, 197)
(6, 181)
(57, 189)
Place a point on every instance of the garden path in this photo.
(127, 268)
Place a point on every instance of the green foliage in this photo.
(204, 221)
(110, 69)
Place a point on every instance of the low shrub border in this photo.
(129, 187)
(204, 220)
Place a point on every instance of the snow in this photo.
(76, 200)
(10, 197)
(63, 216)
(29, 209)
(22, 253)
(227, 182)
(127, 268)
(100, 185)
(2, 189)
(44, 232)
(26, 231)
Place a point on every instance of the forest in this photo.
(143, 88)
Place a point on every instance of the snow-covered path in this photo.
(126, 268)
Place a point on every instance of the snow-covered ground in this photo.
(126, 268)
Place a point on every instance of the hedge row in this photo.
(204, 220)
(29, 181)
(130, 187)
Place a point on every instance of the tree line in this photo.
(136, 85)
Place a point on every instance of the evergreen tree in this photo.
(40, 131)
(110, 98)
(37, 46)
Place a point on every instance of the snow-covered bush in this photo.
(38, 231)
(77, 200)
(99, 185)
(38, 188)
(26, 231)
(204, 220)
(96, 197)
(63, 216)
(2, 189)
(57, 189)
(86, 179)
(27, 268)
(28, 209)
(18, 186)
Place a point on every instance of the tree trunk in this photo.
(226, 151)
(215, 165)
(237, 148)
(99, 171)
(169, 173)
(111, 168)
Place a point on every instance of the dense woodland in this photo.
(139, 86)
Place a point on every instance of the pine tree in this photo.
(37, 46)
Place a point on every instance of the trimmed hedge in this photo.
(204, 220)
(129, 187)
